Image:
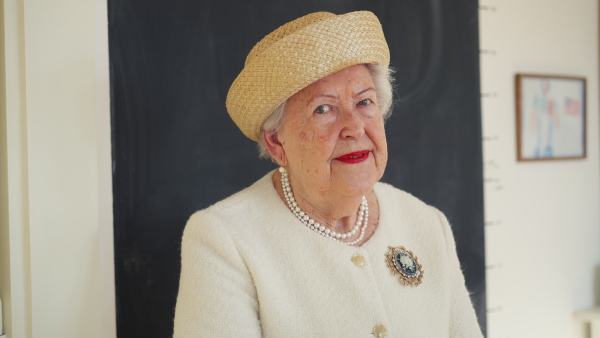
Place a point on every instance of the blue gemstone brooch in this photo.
(405, 265)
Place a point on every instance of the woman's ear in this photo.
(275, 147)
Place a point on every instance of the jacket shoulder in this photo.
(391, 193)
(237, 210)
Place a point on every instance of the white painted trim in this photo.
(105, 197)
(21, 303)
(18, 189)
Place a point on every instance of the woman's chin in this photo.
(357, 184)
(361, 175)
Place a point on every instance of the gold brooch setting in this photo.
(405, 265)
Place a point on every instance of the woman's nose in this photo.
(353, 126)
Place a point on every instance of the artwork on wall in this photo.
(550, 117)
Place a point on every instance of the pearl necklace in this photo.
(361, 220)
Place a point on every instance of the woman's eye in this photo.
(322, 109)
(365, 102)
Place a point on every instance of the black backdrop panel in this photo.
(175, 149)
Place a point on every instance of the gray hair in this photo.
(383, 80)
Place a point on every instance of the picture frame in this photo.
(551, 117)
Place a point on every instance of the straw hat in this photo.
(297, 54)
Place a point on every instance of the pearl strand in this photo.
(361, 221)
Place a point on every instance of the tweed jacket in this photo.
(251, 269)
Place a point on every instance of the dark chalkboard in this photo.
(175, 149)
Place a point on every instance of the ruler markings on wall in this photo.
(493, 139)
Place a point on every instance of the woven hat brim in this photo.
(299, 59)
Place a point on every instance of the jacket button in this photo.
(379, 331)
(358, 260)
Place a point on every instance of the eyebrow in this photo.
(364, 91)
(335, 96)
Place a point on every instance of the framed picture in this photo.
(550, 117)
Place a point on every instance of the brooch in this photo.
(404, 264)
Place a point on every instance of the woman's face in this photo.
(332, 136)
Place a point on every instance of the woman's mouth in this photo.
(355, 157)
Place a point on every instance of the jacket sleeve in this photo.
(463, 320)
(216, 297)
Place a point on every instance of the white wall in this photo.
(56, 170)
(4, 234)
(543, 218)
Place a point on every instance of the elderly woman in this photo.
(319, 247)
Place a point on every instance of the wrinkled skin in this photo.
(334, 116)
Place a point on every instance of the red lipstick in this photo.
(355, 157)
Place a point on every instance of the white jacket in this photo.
(251, 269)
